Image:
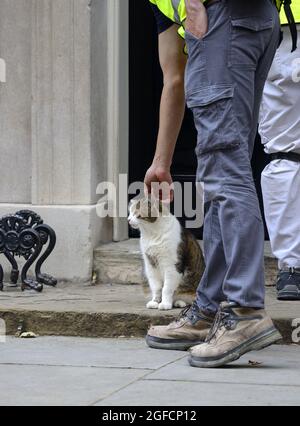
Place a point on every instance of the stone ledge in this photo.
(121, 263)
(105, 311)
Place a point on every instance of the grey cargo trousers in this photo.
(225, 77)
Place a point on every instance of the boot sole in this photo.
(288, 296)
(261, 341)
(290, 292)
(178, 345)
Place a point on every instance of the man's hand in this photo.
(158, 174)
(196, 21)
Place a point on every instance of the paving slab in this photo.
(277, 365)
(113, 372)
(83, 352)
(107, 310)
(162, 393)
(49, 385)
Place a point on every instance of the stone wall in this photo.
(54, 124)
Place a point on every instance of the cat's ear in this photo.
(150, 197)
(153, 209)
(135, 200)
(152, 200)
(160, 206)
(164, 207)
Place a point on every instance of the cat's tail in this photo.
(194, 265)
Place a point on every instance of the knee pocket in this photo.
(214, 118)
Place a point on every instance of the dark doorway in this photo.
(145, 91)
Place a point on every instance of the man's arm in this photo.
(172, 108)
(173, 62)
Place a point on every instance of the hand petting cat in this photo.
(158, 174)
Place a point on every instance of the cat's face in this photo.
(143, 212)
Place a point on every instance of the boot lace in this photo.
(190, 312)
(222, 320)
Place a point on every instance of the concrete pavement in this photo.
(84, 371)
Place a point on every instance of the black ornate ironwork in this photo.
(24, 234)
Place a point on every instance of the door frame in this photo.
(118, 102)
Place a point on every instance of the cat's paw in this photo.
(165, 306)
(180, 304)
(152, 305)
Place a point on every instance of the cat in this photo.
(173, 259)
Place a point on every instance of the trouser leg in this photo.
(210, 292)
(281, 188)
(221, 83)
(280, 132)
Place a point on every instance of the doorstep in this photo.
(121, 263)
(107, 310)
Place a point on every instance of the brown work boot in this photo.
(235, 332)
(190, 329)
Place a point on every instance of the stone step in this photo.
(121, 263)
(108, 310)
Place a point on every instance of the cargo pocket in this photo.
(249, 37)
(214, 118)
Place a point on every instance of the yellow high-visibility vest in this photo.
(287, 17)
(174, 10)
(295, 6)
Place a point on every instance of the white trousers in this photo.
(280, 132)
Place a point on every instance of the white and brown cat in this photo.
(173, 260)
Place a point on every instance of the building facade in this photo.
(80, 88)
(64, 119)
